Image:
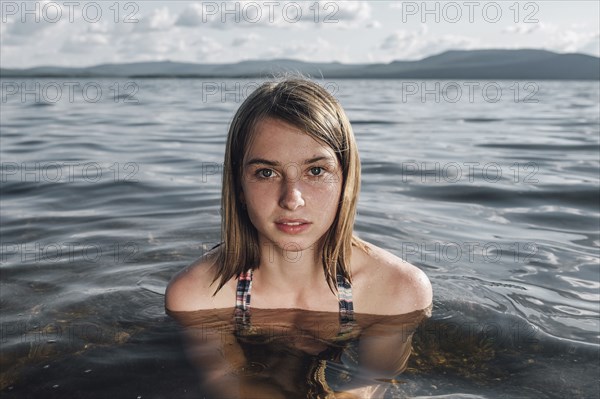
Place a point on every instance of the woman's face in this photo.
(291, 186)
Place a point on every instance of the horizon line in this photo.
(303, 61)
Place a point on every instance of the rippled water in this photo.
(494, 194)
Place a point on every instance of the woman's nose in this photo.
(291, 196)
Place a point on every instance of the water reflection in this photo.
(292, 353)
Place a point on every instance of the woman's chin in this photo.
(292, 246)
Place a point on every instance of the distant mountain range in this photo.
(455, 64)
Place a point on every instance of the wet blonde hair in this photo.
(309, 107)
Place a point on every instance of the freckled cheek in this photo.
(260, 206)
(323, 196)
(325, 189)
(260, 196)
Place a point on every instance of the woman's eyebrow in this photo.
(262, 161)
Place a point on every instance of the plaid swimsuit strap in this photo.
(346, 307)
(242, 302)
(242, 299)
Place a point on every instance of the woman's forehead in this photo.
(279, 141)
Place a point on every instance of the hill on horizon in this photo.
(452, 64)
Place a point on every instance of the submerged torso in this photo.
(292, 353)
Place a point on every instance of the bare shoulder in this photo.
(192, 288)
(386, 284)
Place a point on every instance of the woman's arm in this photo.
(226, 370)
(382, 352)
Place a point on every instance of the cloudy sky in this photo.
(78, 33)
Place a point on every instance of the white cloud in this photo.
(340, 14)
(207, 49)
(222, 15)
(30, 24)
(374, 24)
(100, 27)
(190, 16)
(305, 48)
(289, 14)
(318, 50)
(242, 40)
(403, 39)
(417, 44)
(571, 41)
(84, 43)
(578, 37)
(160, 20)
(591, 47)
(348, 10)
(523, 28)
(398, 40)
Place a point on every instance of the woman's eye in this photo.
(266, 173)
(316, 171)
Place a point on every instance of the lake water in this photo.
(109, 187)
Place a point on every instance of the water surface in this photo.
(496, 199)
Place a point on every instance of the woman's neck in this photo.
(290, 269)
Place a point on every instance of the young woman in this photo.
(290, 190)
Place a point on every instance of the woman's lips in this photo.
(292, 226)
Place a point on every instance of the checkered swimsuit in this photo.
(242, 301)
